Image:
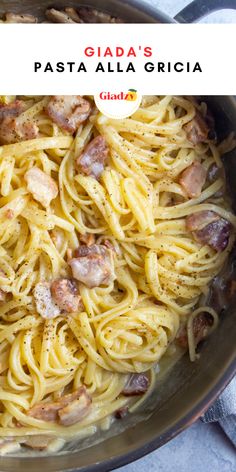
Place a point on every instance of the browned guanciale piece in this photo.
(201, 326)
(121, 412)
(192, 179)
(68, 15)
(38, 442)
(93, 265)
(42, 186)
(14, 18)
(57, 412)
(88, 239)
(12, 109)
(13, 127)
(137, 385)
(72, 13)
(68, 111)
(44, 302)
(209, 228)
(45, 411)
(197, 129)
(58, 16)
(93, 158)
(65, 295)
(91, 15)
(198, 220)
(75, 411)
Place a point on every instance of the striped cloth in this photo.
(223, 411)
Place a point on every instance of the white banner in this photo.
(89, 59)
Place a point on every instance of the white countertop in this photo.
(172, 7)
(202, 447)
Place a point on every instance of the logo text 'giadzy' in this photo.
(131, 95)
(118, 104)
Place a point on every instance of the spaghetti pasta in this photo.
(140, 211)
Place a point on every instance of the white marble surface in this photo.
(201, 448)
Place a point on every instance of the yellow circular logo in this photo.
(119, 104)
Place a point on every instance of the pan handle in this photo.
(200, 8)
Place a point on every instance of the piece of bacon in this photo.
(200, 219)
(201, 326)
(38, 442)
(12, 127)
(93, 158)
(75, 411)
(58, 16)
(93, 265)
(91, 15)
(16, 18)
(68, 111)
(45, 305)
(121, 412)
(65, 295)
(45, 411)
(12, 109)
(197, 130)
(41, 186)
(209, 228)
(57, 412)
(215, 234)
(137, 385)
(72, 13)
(192, 179)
